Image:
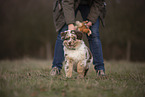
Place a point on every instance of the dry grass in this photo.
(30, 78)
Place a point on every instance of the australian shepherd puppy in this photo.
(77, 55)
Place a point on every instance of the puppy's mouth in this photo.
(73, 45)
(70, 46)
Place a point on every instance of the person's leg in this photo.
(96, 47)
(94, 41)
(58, 52)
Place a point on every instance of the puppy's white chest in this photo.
(76, 55)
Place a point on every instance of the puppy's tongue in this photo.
(70, 46)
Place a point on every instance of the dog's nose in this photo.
(69, 43)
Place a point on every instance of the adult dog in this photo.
(77, 54)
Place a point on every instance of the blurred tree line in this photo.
(124, 34)
(27, 29)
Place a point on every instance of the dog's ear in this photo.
(79, 34)
(63, 34)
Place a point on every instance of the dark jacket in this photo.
(64, 11)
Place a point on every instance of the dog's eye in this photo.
(67, 38)
(74, 38)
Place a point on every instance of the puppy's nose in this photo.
(69, 43)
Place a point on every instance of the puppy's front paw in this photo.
(68, 75)
(80, 76)
(68, 71)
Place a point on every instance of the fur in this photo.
(82, 26)
(77, 55)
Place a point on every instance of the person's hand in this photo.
(89, 24)
(71, 27)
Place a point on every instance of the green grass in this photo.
(30, 78)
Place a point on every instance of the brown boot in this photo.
(100, 73)
(54, 71)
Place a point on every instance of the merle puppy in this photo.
(77, 55)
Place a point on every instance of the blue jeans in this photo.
(93, 39)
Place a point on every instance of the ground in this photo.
(31, 78)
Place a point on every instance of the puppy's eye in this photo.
(67, 38)
(74, 38)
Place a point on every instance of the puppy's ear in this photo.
(79, 34)
(63, 34)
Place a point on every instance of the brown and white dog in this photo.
(77, 54)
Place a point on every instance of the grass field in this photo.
(30, 78)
